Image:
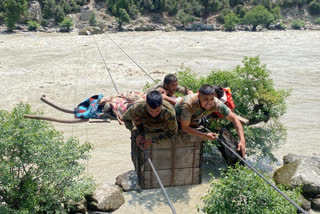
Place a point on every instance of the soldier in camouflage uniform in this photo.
(168, 87)
(194, 107)
(152, 120)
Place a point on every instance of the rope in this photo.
(159, 181)
(130, 58)
(105, 64)
(266, 180)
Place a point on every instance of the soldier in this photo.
(152, 120)
(194, 107)
(168, 87)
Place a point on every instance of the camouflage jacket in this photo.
(189, 109)
(158, 128)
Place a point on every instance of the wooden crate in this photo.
(177, 162)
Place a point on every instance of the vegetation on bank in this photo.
(240, 190)
(40, 171)
(230, 12)
(256, 99)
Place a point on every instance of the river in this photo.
(68, 68)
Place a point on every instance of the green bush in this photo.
(276, 12)
(230, 22)
(314, 7)
(255, 98)
(66, 23)
(259, 15)
(184, 17)
(33, 25)
(223, 14)
(298, 24)
(13, 10)
(317, 21)
(240, 190)
(92, 19)
(281, 26)
(40, 171)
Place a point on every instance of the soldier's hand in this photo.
(242, 148)
(211, 136)
(139, 140)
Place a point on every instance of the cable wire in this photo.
(130, 58)
(105, 64)
(159, 181)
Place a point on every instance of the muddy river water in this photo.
(68, 68)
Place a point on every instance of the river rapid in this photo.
(68, 68)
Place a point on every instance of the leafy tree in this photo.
(65, 6)
(259, 15)
(13, 10)
(240, 190)
(255, 98)
(317, 21)
(49, 9)
(60, 15)
(39, 170)
(230, 22)
(123, 17)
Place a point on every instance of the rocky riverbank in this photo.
(105, 22)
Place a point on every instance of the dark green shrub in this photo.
(59, 14)
(240, 11)
(92, 19)
(317, 21)
(230, 22)
(13, 10)
(223, 14)
(255, 98)
(259, 15)
(123, 17)
(314, 7)
(240, 190)
(298, 24)
(44, 23)
(73, 6)
(33, 25)
(39, 170)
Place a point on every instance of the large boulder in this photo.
(315, 204)
(106, 198)
(90, 31)
(128, 181)
(34, 11)
(300, 170)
